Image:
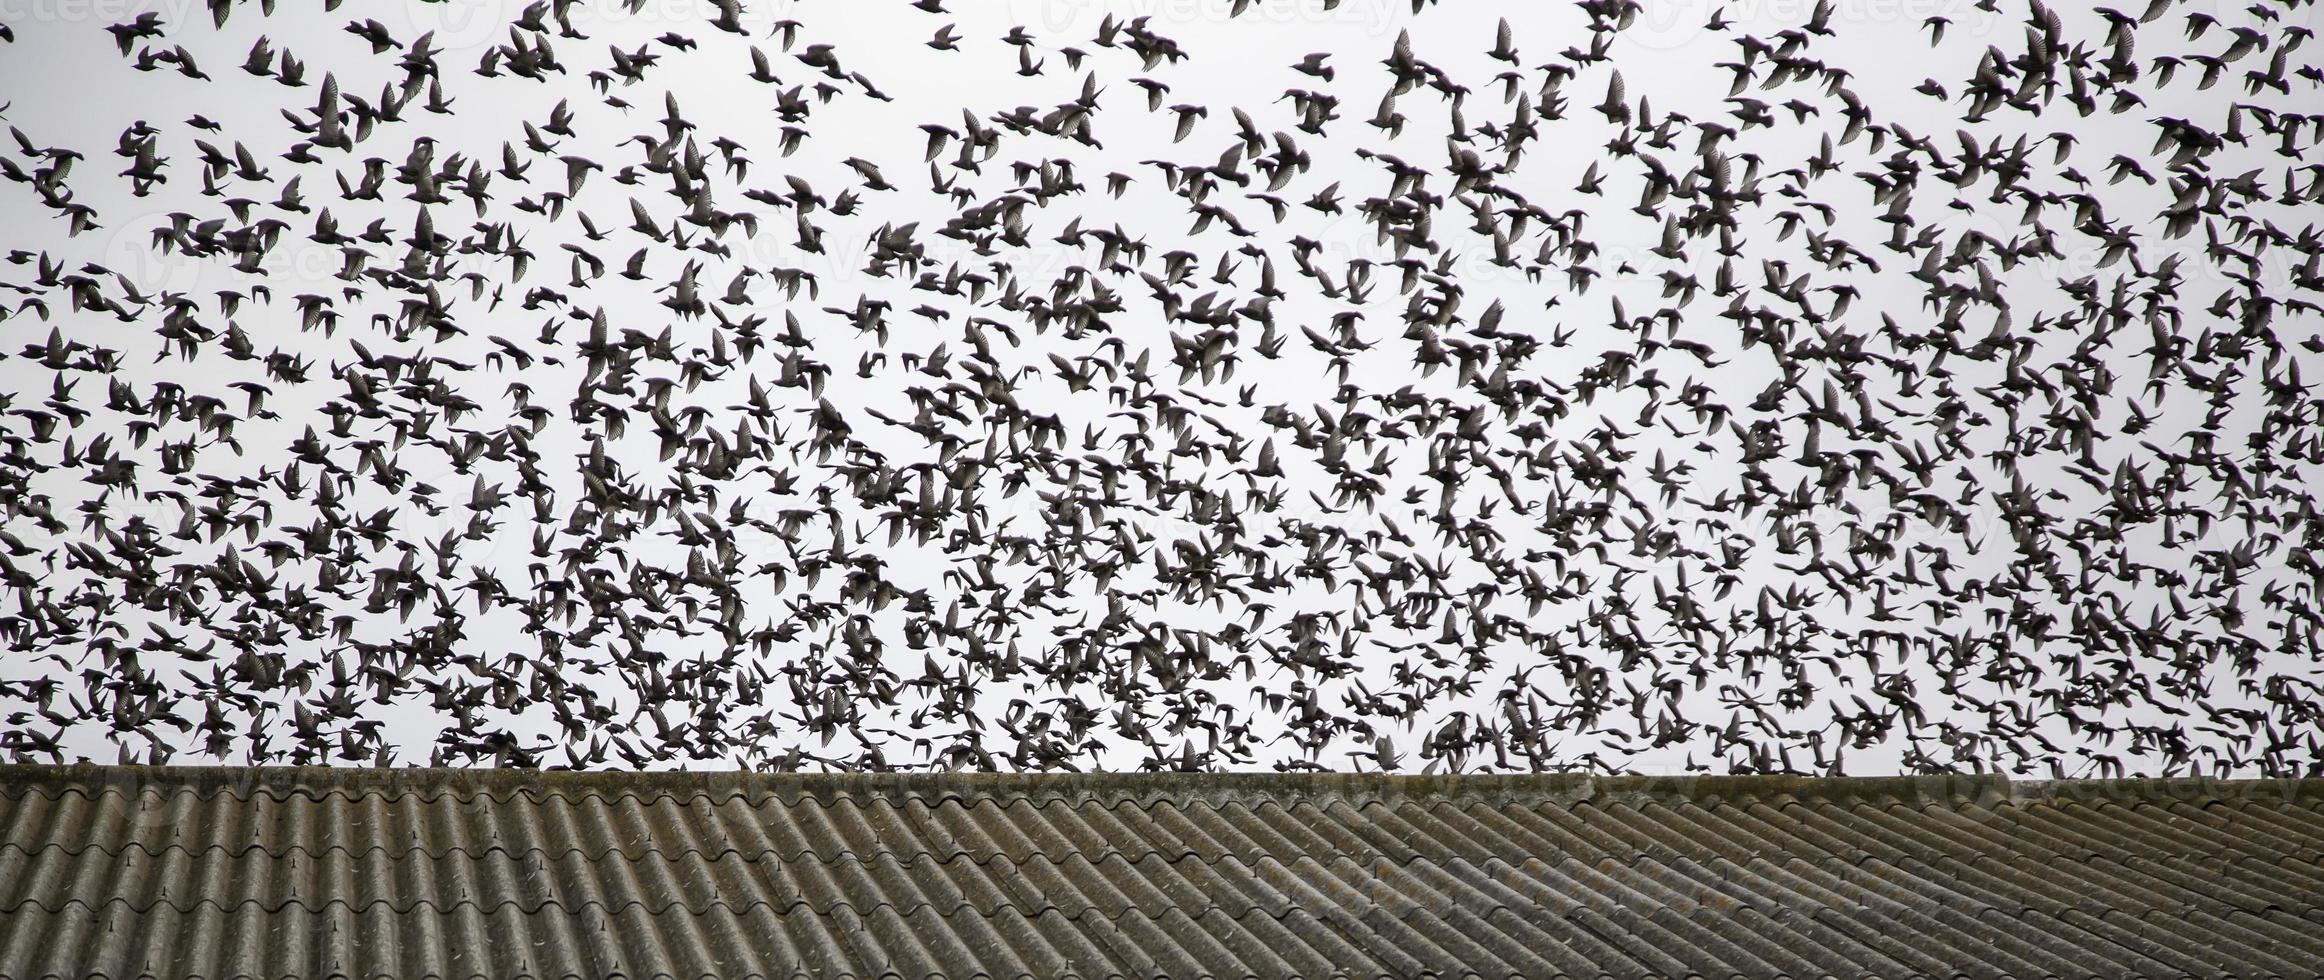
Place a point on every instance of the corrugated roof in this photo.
(216, 873)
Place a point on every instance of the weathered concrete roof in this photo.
(188, 872)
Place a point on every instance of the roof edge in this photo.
(1986, 790)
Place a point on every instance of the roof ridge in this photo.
(1985, 789)
(1575, 787)
(2280, 790)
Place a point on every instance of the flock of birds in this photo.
(606, 390)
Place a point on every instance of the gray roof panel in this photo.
(228, 873)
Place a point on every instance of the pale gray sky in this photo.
(68, 86)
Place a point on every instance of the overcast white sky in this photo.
(68, 86)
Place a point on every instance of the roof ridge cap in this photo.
(2166, 788)
(1222, 787)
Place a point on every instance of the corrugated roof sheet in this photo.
(221, 873)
